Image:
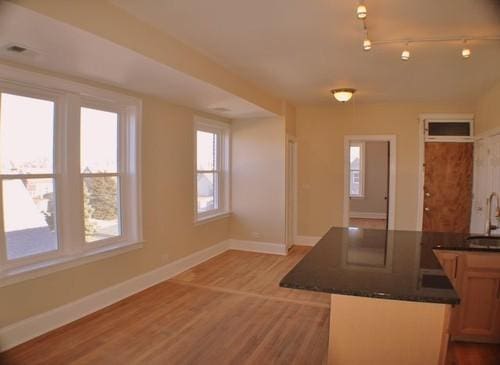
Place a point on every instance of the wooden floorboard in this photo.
(228, 310)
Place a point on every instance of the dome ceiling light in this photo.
(343, 95)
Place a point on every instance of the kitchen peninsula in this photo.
(390, 297)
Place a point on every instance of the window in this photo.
(99, 166)
(69, 173)
(356, 169)
(28, 179)
(212, 165)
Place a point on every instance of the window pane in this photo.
(99, 141)
(206, 147)
(355, 157)
(29, 210)
(354, 183)
(26, 135)
(101, 201)
(207, 192)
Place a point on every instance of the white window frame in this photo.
(223, 168)
(69, 97)
(362, 174)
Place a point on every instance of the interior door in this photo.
(447, 187)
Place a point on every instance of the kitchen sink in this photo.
(485, 242)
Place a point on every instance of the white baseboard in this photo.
(306, 240)
(368, 215)
(255, 246)
(37, 325)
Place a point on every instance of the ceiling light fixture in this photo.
(405, 55)
(367, 44)
(361, 12)
(466, 51)
(343, 95)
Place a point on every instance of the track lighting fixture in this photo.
(361, 12)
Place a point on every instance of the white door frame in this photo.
(291, 196)
(391, 138)
(421, 156)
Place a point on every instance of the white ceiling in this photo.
(60, 47)
(299, 49)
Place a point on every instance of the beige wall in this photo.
(376, 180)
(488, 110)
(258, 180)
(169, 232)
(320, 133)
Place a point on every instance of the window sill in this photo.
(211, 218)
(359, 197)
(31, 271)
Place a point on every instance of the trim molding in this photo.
(255, 246)
(34, 326)
(307, 240)
(368, 215)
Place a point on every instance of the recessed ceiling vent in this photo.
(16, 49)
(221, 109)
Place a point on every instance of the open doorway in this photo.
(369, 179)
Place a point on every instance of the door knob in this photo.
(427, 209)
(427, 194)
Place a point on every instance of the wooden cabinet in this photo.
(476, 277)
(479, 312)
(449, 261)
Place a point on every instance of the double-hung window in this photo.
(212, 168)
(69, 179)
(356, 170)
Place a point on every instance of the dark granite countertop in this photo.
(398, 265)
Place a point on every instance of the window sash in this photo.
(360, 170)
(220, 169)
(68, 181)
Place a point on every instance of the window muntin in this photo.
(356, 170)
(99, 166)
(28, 191)
(55, 181)
(211, 186)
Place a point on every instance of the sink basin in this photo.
(485, 242)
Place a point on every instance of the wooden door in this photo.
(480, 305)
(447, 187)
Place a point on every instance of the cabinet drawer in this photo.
(490, 261)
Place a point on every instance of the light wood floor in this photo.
(228, 310)
(367, 223)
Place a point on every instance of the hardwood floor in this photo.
(464, 353)
(228, 310)
(367, 223)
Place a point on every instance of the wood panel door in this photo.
(447, 187)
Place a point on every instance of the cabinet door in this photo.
(479, 311)
(450, 263)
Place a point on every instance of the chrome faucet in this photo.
(488, 226)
